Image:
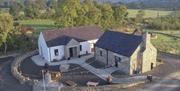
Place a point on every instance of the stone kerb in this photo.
(15, 65)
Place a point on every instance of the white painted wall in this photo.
(48, 53)
(85, 47)
(43, 48)
(92, 42)
(60, 51)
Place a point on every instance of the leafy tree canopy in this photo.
(6, 26)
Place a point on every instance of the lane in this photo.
(168, 57)
(172, 81)
(8, 82)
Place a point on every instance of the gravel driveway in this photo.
(77, 74)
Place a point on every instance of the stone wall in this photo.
(114, 87)
(135, 61)
(15, 65)
(149, 57)
(98, 57)
(142, 60)
(110, 57)
(144, 56)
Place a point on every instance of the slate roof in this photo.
(63, 36)
(120, 43)
(63, 40)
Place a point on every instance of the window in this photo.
(80, 47)
(56, 53)
(100, 53)
(118, 59)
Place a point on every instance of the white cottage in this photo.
(67, 43)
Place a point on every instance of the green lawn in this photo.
(148, 13)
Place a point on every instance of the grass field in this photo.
(148, 13)
(44, 22)
(170, 32)
(39, 25)
(167, 44)
(167, 40)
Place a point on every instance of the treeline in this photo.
(73, 13)
(170, 22)
(69, 13)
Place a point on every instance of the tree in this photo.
(67, 13)
(41, 4)
(15, 8)
(88, 13)
(140, 16)
(120, 13)
(107, 15)
(94, 15)
(6, 26)
(31, 9)
(82, 18)
(52, 4)
(70, 13)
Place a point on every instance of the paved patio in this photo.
(102, 73)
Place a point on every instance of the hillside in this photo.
(155, 4)
(134, 4)
(147, 4)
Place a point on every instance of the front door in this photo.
(117, 60)
(116, 63)
(152, 65)
(73, 51)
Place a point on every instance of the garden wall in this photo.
(15, 65)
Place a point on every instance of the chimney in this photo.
(146, 39)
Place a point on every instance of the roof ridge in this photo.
(69, 28)
(124, 33)
(80, 33)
